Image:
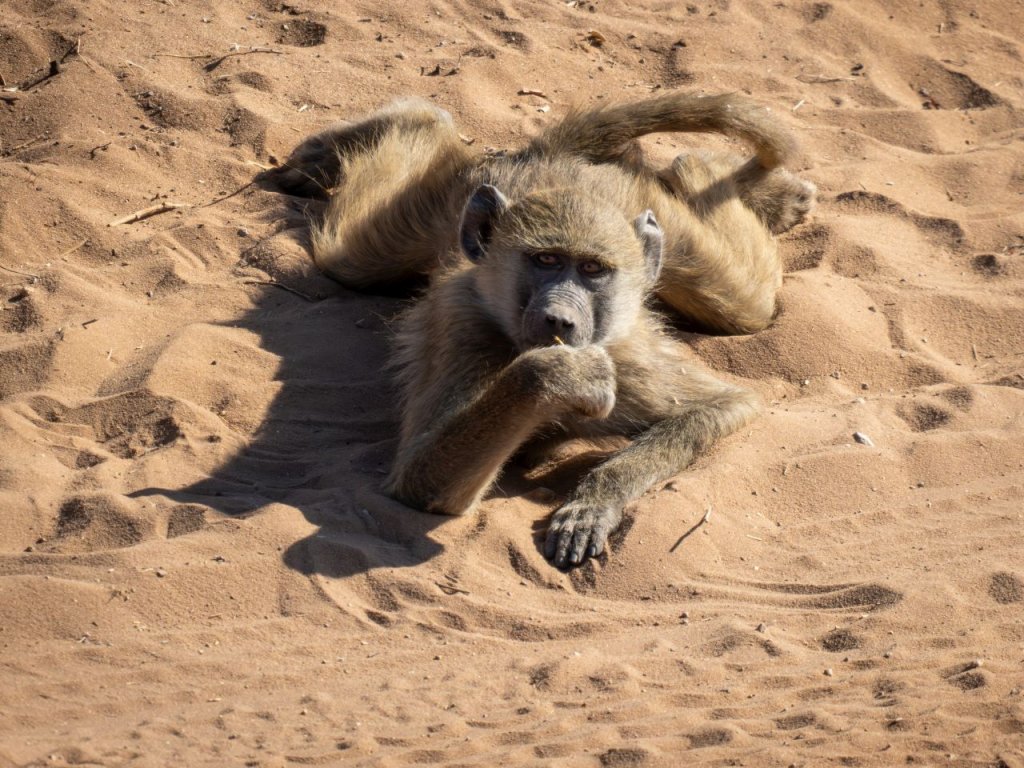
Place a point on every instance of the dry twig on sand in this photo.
(52, 71)
(145, 213)
(821, 79)
(23, 145)
(698, 524)
(16, 272)
(215, 60)
(448, 589)
(210, 66)
(229, 194)
(72, 249)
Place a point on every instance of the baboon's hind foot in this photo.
(779, 198)
(314, 167)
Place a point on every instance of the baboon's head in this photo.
(560, 264)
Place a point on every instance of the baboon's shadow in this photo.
(326, 442)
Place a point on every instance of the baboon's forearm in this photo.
(664, 450)
(447, 469)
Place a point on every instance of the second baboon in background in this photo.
(535, 324)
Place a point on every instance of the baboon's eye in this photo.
(591, 268)
(548, 260)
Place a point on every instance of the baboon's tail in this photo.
(606, 133)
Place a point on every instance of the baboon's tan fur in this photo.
(472, 394)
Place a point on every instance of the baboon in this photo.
(541, 262)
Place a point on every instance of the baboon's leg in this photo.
(580, 528)
(394, 212)
(448, 460)
(721, 265)
(314, 167)
(779, 198)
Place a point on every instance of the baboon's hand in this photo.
(580, 379)
(579, 530)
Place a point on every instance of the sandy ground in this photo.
(197, 566)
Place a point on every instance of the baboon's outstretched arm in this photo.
(580, 528)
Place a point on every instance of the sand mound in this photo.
(197, 565)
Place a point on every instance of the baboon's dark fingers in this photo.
(578, 531)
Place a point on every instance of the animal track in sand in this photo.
(851, 597)
(302, 33)
(24, 366)
(623, 757)
(127, 425)
(184, 519)
(924, 417)
(989, 264)
(809, 246)
(93, 523)
(1006, 588)
(839, 640)
(945, 231)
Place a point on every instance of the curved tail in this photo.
(606, 133)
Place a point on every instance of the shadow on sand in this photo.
(326, 441)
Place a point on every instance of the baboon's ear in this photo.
(652, 240)
(483, 208)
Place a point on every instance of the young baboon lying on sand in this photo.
(540, 263)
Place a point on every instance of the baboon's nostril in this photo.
(559, 323)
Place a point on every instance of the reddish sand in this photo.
(197, 566)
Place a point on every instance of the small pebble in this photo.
(828, 672)
(976, 664)
(863, 439)
(243, 232)
(160, 573)
(762, 627)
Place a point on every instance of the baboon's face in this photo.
(559, 271)
(563, 298)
